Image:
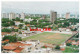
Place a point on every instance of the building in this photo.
(5, 15)
(17, 15)
(22, 15)
(58, 15)
(11, 16)
(44, 16)
(67, 15)
(53, 16)
(17, 47)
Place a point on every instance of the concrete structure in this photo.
(44, 16)
(33, 42)
(22, 15)
(11, 16)
(28, 20)
(5, 15)
(18, 15)
(67, 15)
(53, 16)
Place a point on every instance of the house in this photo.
(17, 23)
(18, 50)
(8, 49)
(33, 42)
(75, 42)
(28, 20)
(5, 33)
(5, 41)
(62, 46)
(65, 29)
(39, 51)
(37, 41)
(42, 50)
(17, 47)
(15, 27)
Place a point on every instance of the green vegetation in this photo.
(48, 37)
(4, 43)
(26, 22)
(74, 29)
(12, 38)
(66, 23)
(57, 47)
(71, 49)
(6, 22)
(68, 44)
(43, 47)
(16, 30)
(20, 26)
(6, 30)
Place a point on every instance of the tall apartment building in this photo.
(67, 15)
(22, 15)
(5, 15)
(18, 15)
(53, 16)
(11, 16)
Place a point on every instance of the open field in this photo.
(48, 37)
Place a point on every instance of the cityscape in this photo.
(50, 32)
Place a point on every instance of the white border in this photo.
(35, 0)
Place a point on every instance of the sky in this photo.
(38, 7)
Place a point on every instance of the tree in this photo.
(16, 30)
(74, 29)
(71, 49)
(5, 24)
(10, 38)
(68, 44)
(77, 36)
(17, 19)
(4, 43)
(26, 27)
(57, 47)
(20, 32)
(6, 30)
(26, 22)
(12, 23)
(5, 20)
(20, 26)
(21, 21)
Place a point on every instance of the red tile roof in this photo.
(6, 40)
(15, 27)
(18, 50)
(62, 49)
(20, 44)
(4, 33)
(3, 41)
(28, 25)
(9, 47)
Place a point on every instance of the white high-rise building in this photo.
(5, 15)
(18, 15)
(67, 15)
(22, 15)
(11, 16)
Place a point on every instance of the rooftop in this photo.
(9, 47)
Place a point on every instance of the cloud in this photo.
(40, 7)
